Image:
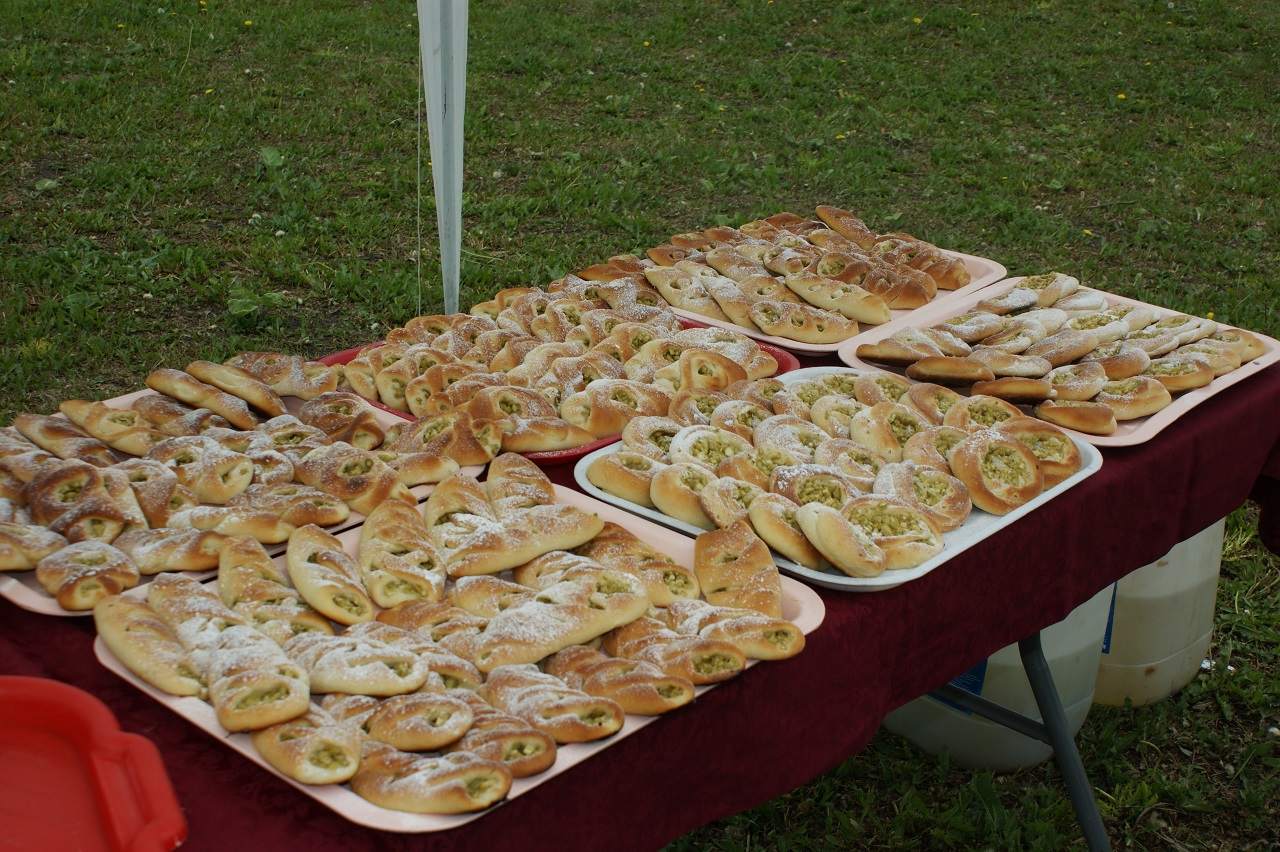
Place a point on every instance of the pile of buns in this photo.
(95, 498)
(1083, 361)
(445, 649)
(554, 369)
(861, 472)
(807, 280)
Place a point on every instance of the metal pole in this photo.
(442, 36)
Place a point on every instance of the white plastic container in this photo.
(1161, 623)
(1072, 648)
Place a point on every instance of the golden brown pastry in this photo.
(314, 748)
(1092, 418)
(140, 640)
(1001, 472)
(700, 660)
(455, 783)
(327, 577)
(1138, 396)
(942, 497)
(639, 687)
(546, 702)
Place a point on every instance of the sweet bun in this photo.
(1092, 418)
(941, 496)
(1000, 471)
(1058, 455)
(979, 412)
(675, 489)
(626, 474)
(1079, 381)
(949, 370)
(1138, 396)
(1015, 389)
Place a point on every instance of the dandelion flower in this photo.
(839, 135)
(916, 20)
(1209, 315)
(119, 26)
(1120, 96)
(248, 23)
(1087, 231)
(722, 109)
(208, 91)
(646, 44)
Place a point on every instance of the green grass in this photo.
(182, 184)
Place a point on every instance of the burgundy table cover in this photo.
(781, 724)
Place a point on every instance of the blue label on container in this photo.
(971, 682)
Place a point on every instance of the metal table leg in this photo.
(1053, 730)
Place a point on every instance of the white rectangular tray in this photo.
(978, 526)
(982, 272)
(24, 590)
(1128, 432)
(800, 605)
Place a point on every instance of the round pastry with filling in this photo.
(1058, 455)
(1137, 396)
(1001, 472)
(941, 496)
(1092, 418)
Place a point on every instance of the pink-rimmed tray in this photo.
(1128, 432)
(23, 589)
(73, 780)
(982, 273)
(548, 458)
(978, 526)
(800, 605)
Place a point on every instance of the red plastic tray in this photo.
(71, 779)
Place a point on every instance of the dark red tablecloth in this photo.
(781, 724)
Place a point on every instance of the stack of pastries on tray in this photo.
(1085, 362)
(807, 280)
(443, 650)
(861, 472)
(557, 368)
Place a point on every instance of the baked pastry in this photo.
(509, 740)
(419, 721)
(886, 426)
(571, 612)
(185, 387)
(1049, 287)
(638, 687)
(1015, 389)
(1057, 454)
(327, 577)
(803, 323)
(125, 430)
(358, 665)
(932, 446)
(1180, 372)
(176, 418)
(625, 474)
(1079, 381)
(140, 640)
(1064, 346)
(157, 550)
(734, 568)
(288, 375)
(546, 702)
(727, 499)
(674, 492)
(240, 383)
(705, 445)
(1138, 396)
(606, 406)
(617, 548)
(834, 295)
(650, 436)
(455, 783)
(1008, 364)
(694, 407)
(930, 399)
(456, 435)
(313, 748)
(22, 546)
(1000, 471)
(975, 413)
(486, 546)
(84, 572)
(397, 559)
(356, 476)
(949, 370)
(758, 636)
(252, 683)
(700, 660)
(1092, 418)
(880, 533)
(942, 497)
(63, 438)
(344, 417)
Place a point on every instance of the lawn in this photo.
(184, 180)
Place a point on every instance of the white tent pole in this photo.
(442, 36)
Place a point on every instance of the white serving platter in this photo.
(982, 273)
(24, 590)
(800, 605)
(1128, 432)
(978, 526)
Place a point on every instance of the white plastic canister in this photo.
(1072, 648)
(1161, 622)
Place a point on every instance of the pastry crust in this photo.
(949, 370)
(1092, 418)
(84, 572)
(626, 474)
(1001, 472)
(979, 412)
(1015, 389)
(773, 517)
(1138, 396)
(941, 496)
(136, 635)
(639, 687)
(674, 492)
(734, 568)
(1057, 454)
(311, 749)
(455, 783)
(1079, 381)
